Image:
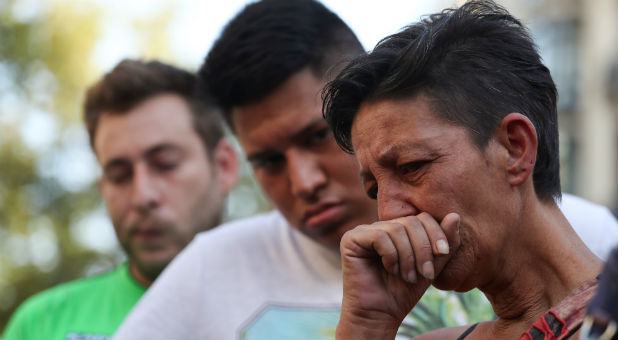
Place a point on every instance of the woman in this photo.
(453, 121)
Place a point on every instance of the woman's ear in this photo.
(225, 163)
(518, 136)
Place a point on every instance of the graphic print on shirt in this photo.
(292, 322)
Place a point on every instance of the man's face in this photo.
(412, 161)
(295, 159)
(158, 182)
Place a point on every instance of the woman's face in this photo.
(413, 161)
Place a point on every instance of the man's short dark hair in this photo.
(268, 42)
(476, 64)
(131, 82)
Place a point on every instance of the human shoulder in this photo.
(52, 302)
(59, 293)
(250, 229)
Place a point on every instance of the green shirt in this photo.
(90, 308)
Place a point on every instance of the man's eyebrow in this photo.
(307, 129)
(160, 148)
(120, 161)
(260, 155)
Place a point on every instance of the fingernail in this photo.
(428, 270)
(412, 276)
(396, 269)
(442, 247)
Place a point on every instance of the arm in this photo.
(387, 267)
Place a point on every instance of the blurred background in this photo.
(53, 225)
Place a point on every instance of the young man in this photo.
(276, 275)
(166, 171)
(454, 123)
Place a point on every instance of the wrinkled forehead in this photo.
(387, 127)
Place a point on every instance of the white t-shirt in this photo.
(260, 278)
(594, 223)
(252, 278)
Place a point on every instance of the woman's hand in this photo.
(387, 267)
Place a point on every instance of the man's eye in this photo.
(372, 192)
(118, 176)
(165, 160)
(268, 164)
(164, 165)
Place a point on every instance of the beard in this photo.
(151, 244)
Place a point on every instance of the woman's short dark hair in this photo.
(476, 64)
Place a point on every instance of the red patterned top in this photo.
(564, 319)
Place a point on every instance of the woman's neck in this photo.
(545, 264)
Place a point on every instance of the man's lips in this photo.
(322, 214)
(148, 231)
(149, 234)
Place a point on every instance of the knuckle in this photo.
(395, 228)
(409, 219)
(363, 227)
(424, 215)
(381, 236)
(426, 246)
(347, 236)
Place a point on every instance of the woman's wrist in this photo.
(354, 326)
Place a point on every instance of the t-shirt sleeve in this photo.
(169, 308)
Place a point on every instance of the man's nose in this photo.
(144, 195)
(394, 202)
(306, 174)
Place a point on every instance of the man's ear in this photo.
(518, 136)
(226, 165)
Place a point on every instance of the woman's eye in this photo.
(413, 167)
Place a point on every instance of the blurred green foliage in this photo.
(43, 63)
(438, 309)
